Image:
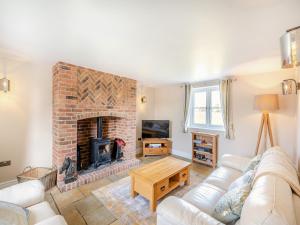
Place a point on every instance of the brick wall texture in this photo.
(79, 96)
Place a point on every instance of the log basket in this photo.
(46, 175)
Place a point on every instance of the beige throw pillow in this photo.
(245, 179)
(253, 163)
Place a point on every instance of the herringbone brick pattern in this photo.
(101, 88)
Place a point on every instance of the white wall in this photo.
(144, 110)
(25, 119)
(169, 105)
(25, 116)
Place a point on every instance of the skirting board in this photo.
(183, 154)
(8, 183)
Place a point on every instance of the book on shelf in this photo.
(204, 149)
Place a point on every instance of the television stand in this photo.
(156, 146)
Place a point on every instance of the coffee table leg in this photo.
(153, 202)
(133, 193)
(152, 205)
(187, 182)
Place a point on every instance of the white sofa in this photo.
(31, 196)
(271, 200)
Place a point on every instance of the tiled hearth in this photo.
(80, 95)
(101, 172)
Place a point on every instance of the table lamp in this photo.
(265, 103)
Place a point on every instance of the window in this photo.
(206, 111)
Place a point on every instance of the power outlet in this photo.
(5, 163)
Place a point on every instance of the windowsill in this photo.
(206, 129)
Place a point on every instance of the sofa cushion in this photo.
(204, 196)
(234, 161)
(55, 220)
(173, 210)
(40, 212)
(245, 179)
(223, 177)
(270, 203)
(24, 194)
(253, 163)
(228, 209)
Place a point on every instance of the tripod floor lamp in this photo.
(265, 103)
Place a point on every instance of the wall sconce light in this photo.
(290, 58)
(290, 48)
(144, 99)
(4, 84)
(290, 86)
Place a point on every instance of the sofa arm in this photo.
(235, 162)
(24, 194)
(176, 211)
(55, 220)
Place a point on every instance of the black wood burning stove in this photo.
(102, 150)
(100, 147)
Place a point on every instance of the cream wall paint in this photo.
(246, 120)
(25, 119)
(25, 116)
(144, 110)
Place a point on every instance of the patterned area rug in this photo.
(116, 198)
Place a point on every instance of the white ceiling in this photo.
(154, 41)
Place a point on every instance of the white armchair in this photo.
(24, 194)
(31, 196)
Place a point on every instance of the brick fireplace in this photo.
(80, 96)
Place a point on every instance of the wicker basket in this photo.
(46, 175)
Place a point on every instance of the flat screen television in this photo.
(155, 128)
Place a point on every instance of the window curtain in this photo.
(225, 92)
(187, 103)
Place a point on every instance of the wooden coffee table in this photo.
(155, 180)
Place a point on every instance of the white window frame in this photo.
(207, 125)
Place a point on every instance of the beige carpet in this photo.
(116, 198)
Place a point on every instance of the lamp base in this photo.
(265, 126)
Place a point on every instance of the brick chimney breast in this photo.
(80, 93)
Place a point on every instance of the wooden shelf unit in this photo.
(164, 149)
(205, 148)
